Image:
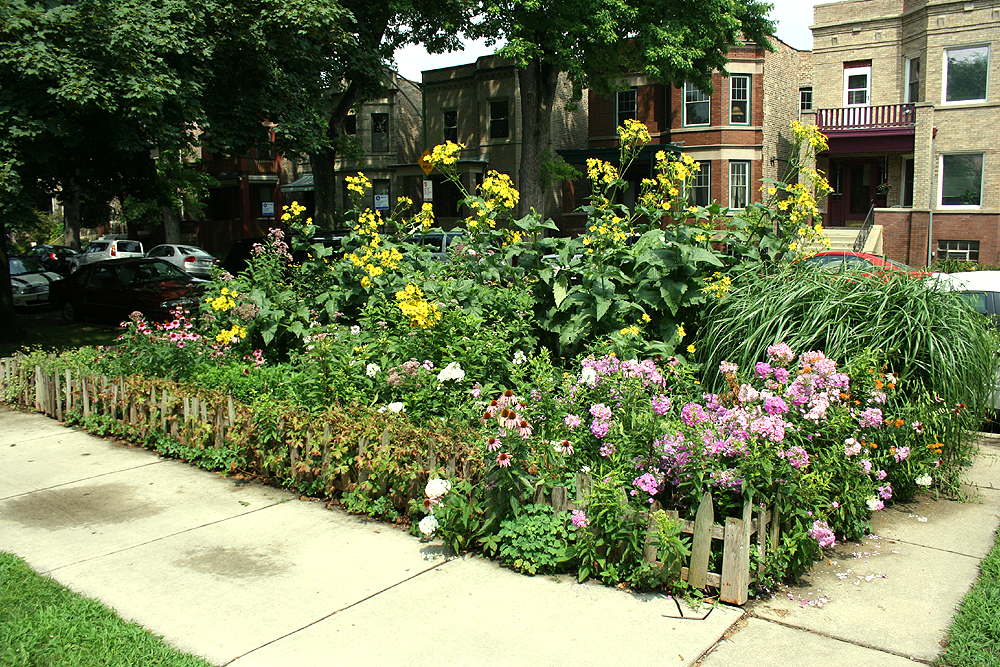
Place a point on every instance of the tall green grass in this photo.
(930, 337)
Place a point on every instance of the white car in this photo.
(105, 248)
(29, 281)
(188, 258)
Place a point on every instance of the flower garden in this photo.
(668, 351)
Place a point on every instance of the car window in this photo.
(188, 250)
(129, 246)
(152, 272)
(976, 301)
(104, 278)
(853, 263)
(96, 247)
(16, 266)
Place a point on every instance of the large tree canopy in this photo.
(597, 41)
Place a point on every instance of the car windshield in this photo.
(149, 272)
(21, 265)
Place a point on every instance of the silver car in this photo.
(106, 248)
(188, 258)
(29, 281)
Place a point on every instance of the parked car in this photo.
(437, 243)
(240, 252)
(866, 262)
(29, 281)
(188, 258)
(114, 289)
(55, 258)
(107, 248)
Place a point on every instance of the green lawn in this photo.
(42, 624)
(47, 330)
(974, 638)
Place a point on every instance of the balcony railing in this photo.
(244, 165)
(897, 118)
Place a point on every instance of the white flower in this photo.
(588, 376)
(923, 480)
(519, 358)
(452, 371)
(437, 487)
(355, 330)
(393, 407)
(747, 394)
(371, 370)
(428, 525)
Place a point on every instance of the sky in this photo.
(793, 18)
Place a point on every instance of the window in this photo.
(739, 184)
(912, 80)
(961, 180)
(696, 105)
(351, 125)
(964, 250)
(857, 86)
(965, 80)
(698, 191)
(908, 173)
(806, 98)
(380, 132)
(739, 99)
(451, 125)
(625, 104)
(499, 119)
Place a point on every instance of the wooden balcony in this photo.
(888, 119)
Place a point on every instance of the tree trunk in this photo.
(324, 163)
(537, 85)
(171, 225)
(325, 188)
(10, 329)
(71, 214)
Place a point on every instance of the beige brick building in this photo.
(909, 93)
(479, 105)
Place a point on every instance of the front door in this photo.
(855, 188)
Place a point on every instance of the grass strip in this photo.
(974, 637)
(43, 623)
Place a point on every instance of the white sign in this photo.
(381, 202)
(428, 190)
(267, 208)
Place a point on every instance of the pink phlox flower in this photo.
(771, 427)
(798, 458)
(880, 475)
(870, 418)
(774, 405)
(866, 465)
(579, 518)
(728, 367)
(782, 375)
(607, 449)
(599, 429)
(901, 454)
(851, 447)
(646, 482)
(747, 394)
(601, 412)
(693, 414)
(762, 369)
(572, 421)
(821, 532)
(661, 405)
(885, 492)
(780, 352)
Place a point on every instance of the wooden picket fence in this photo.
(185, 418)
(59, 394)
(733, 582)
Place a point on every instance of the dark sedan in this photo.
(114, 289)
(55, 258)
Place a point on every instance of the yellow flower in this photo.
(646, 318)
(690, 349)
(680, 331)
(772, 190)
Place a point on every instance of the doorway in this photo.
(855, 188)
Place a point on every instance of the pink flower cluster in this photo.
(821, 532)
(602, 420)
(645, 370)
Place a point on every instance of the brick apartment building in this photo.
(479, 105)
(907, 91)
(740, 132)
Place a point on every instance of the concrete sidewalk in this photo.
(247, 575)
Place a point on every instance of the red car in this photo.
(865, 262)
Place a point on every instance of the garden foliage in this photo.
(667, 351)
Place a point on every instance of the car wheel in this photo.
(69, 311)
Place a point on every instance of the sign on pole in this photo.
(428, 190)
(267, 208)
(381, 202)
(424, 164)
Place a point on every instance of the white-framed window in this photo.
(697, 105)
(966, 74)
(805, 98)
(380, 132)
(739, 99)
(625, 105)
(857, 86)
(739, 184)
(912, 89)
(698, 187)
(960, 180)
(964, 250)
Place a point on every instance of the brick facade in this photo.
(892, 35)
